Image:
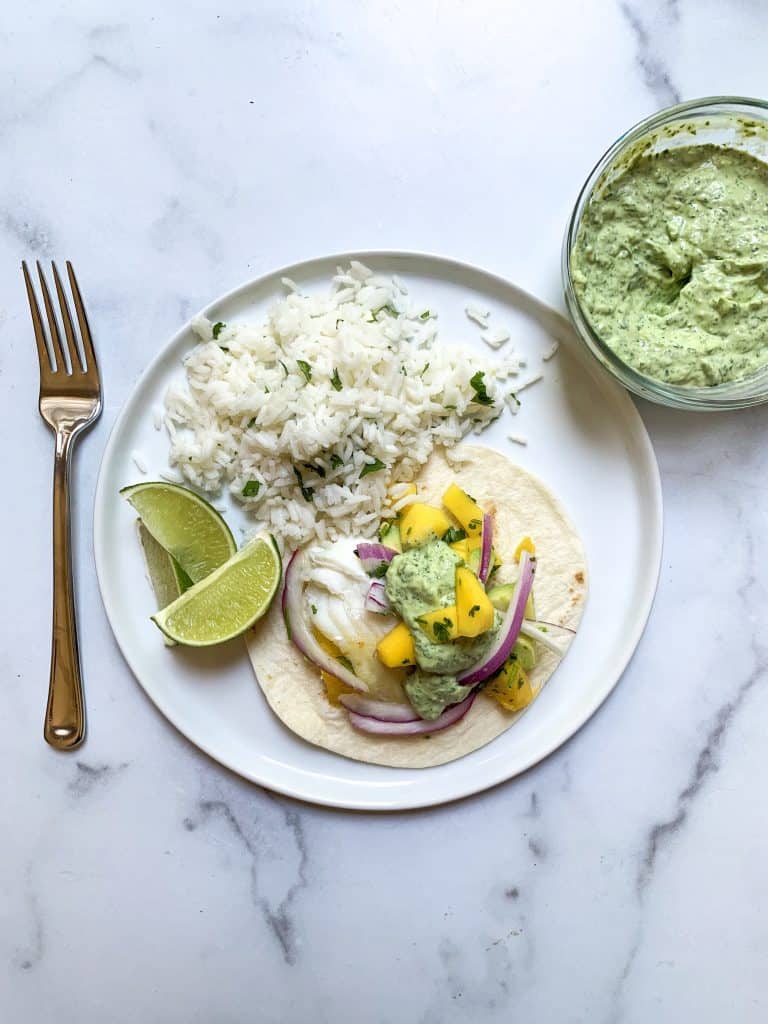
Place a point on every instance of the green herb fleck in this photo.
(474, 610)
(306, 492)
(475, 524)
(386, 308)
(336, 380)
(217, 329)
(380, 571)
(344, 660)
(314, 609)
(425, 315)
(336, 461)
(251, 423)
(305, 368)
(285, 368)
(450, 408)
(371, 467)
(251, 489)
(454, 534)
(477, 383)
(314, 469)
(339, 321)
(514, 397)
(442, 630)
(424, 370)
(223, 348)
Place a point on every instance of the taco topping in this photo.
(414, 623)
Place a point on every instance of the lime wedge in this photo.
(184, 524)
(168, 579)
(227, 602)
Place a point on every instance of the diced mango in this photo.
(463, 508)
(461, 548)
(396, 648)
(421, 524)
(334, 688)
(440, 625)
(474, 611)
(526, 544)
(512, 687)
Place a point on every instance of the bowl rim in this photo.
(719, 397)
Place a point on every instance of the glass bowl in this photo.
(735, 121)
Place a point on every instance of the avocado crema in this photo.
(418, 581)
(670, 264)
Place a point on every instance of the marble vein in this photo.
(29, 956)
(278, 911)
(656, 75)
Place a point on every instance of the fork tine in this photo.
(85, 332)
(75, 357)
(53, 327)
(46, 363)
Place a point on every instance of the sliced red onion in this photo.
(372, 555)
(486, 548)
(509, 629)
(541, 638)
(299, 632)
(376, 599)
(381, 710)
(416, 728)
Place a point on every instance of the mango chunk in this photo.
(396, 648)
(463, 508)
(334, 688)
(526, 544)
(421, 524)
(512, 687)
(474, 611)
(440, 625)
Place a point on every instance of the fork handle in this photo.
(65, 713)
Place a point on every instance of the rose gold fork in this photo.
(70, 401)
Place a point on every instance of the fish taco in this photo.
(426, 643)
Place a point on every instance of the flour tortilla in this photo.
(520, 505)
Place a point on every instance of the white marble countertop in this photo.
(173, 150)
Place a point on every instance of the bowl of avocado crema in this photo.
(665, 259)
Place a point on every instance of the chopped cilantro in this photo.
(475, 524)
(251, 489)
(474, 610)
(251, 422)
(441, 630)
(217, 329)
(266, 390)
(514, 397)
(305, 368)
(454, 534)
(336, 461)
(336, 380)
(386, 308)
(314, 609)
(380, 571)
(478, 386)
(223, 348)
(285, 368)
(424, 369)
(372, 467)
(314, 469)
(425, 315)
(306, 492)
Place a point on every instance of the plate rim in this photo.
(563, 330)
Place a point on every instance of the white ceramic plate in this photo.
(585, 439)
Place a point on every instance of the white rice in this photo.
(477, 315)
(139, 461)
(379, 390)
(551, 352)
(496, 337)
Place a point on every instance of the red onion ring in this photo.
(381, 710)
(417, 728)
(376, 599)
(509, 629)
(486, 548)
(372, 555)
